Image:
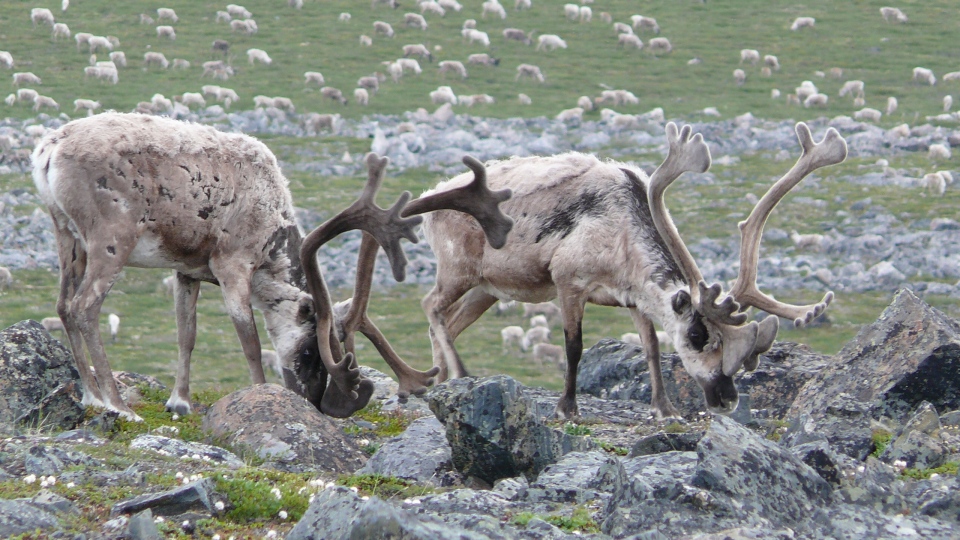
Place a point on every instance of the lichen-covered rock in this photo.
(39, 385)
(421, 453)
(735, 461)
(284, 429)
(21, 516)
(187, 450)
(579, 477)
(615, 370)
(911, 354)
(493, 432)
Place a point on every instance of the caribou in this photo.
(143, 191)
(599, 232)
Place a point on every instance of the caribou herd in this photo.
(145, 191)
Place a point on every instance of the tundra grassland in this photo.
(852, 36)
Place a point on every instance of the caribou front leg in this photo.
(660, 403)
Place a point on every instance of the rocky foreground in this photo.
(864, 444)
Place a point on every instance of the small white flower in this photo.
(175, 417)
(861, 468)
(179, 475)
(310, 499)
(52, 480)
(219, 506)
(412, 501)
(215, 537)
(158, 519)
(354, 489)
(301, 490)
(329, 485)
(185, 481)
(276, 493)
(282, 514)
(71, 485)
(196, 457)
(29, 479)
(364, 498)
(271, 534)
(934, 476)
(363, 442)
(185, 524)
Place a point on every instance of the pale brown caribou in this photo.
(144, 191)
(599, 232)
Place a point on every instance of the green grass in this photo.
(849, 35)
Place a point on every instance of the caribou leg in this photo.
(186, 290)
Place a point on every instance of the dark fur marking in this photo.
(286, 241)
(111, 250)
(644, 221)
(164, 192)
(562, 221)
(205, 212)
(102, 182)
(184, 167)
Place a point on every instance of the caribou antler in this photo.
(411, 381)
(349, 392)
(475, 199)
(687, 153)
(830, 151)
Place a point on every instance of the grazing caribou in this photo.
(145, 191)
(599, 232)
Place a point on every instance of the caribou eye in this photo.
(697, 333)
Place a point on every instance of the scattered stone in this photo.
(197, 495)
(21, 516)
(187, 450)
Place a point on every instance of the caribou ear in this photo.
(765, 336)
(739, 342)
(680, 302)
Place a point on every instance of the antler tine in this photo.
(725, 312)
(830, 151)
(476, 199)
(685, 153)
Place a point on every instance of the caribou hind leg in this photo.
(83, 312)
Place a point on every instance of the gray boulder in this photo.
(493, 431)
(283, 428)
(421, 453)
(911, 354)
(39, 385)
